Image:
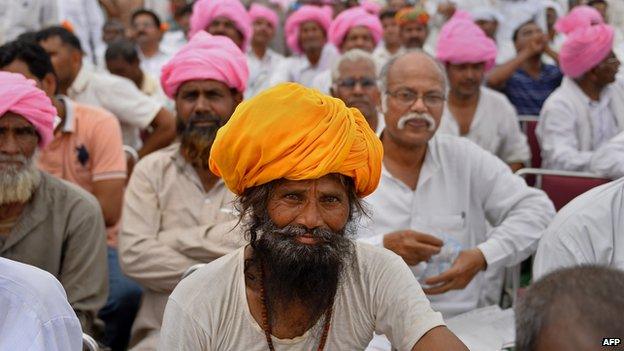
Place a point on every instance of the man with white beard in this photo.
(46, 222)
(439, 193)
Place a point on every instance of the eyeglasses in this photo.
(408, 98)
(350, 83)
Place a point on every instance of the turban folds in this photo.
(257, 11)
(580, 17)
(462, 41)
(21, 96)
(585, 48)
(371, 6)
(306, 13)
(350, 18)
(412, 14)
(205, 11)
(206, 56)
(296, 133)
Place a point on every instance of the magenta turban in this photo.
(257, 11)
(205, 11)
(306, 13)
(579, 17)
(350, 18)
(21, 96)
(585, 48)
(462, 41)
(206, 56)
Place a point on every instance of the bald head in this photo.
(418, 63)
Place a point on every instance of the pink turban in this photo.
(257, 11)
(371, 6)
(350, 18)
(580, 16)
(462, 41)
(585, 48)
(206, 56)
(205, 11)
(306, 13)
(21, 96)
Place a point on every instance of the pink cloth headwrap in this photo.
(257, 11)
(585, 48)
(206, 56)
(580, 16)
(350, 18)
(372, 7)
(21, 96)
(205, 11)
(306, 13)
(462, 41)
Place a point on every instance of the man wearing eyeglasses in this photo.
(354, 79)
(439, 193)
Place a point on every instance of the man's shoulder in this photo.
(93, 115)
(64, 194)
(496, 99)
(158, 160)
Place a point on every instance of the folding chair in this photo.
(528, 125)
(192, 269)
(563, 186)
(88, 343)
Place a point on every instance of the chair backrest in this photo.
(88, 343)
(192, 269)
(563, 186)
(528, 125)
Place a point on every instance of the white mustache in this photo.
(431, 124)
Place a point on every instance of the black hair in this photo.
(184, 10)
(595, 2)
(122, 48)
(517, 30)
(387, 13)
(62, 33)
(33, 55)
(147, 12)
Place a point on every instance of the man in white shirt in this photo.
(176, 212)
(354, 78)
(135, 110)
(478, 113)
(588, 109)
(261, 59)
(414, 24)
(391, 44)
(35, 314)
(86, 18)
(589, 230)
(302, 283)
(147, 33)
(21, 16)
(448, 207)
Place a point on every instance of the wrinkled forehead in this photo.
(13, 120)
(328, 183)
(417, 72)
(357, 68)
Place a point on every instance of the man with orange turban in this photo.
(300, 163)
(176, 210)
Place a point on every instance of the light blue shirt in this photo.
(34, 312)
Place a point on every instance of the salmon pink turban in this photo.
(462, 41)
(206, 56)
(257, 11)
(205, 11)
(580, 17)
(585, 48)
(306, 13)
(293, 132)
(21, 96)
(350, 18)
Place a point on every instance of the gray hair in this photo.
(386, 68)
(589, 296)
(353, 55)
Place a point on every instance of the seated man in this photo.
(302, 279)
(261, 59)
(589, 230)
(147, 32)
(134, 109)
(46, 222)
(449, 208)
(576, 308)
(588, 109)
(355, 83)
(222, 17)
(414, 27)
(391, 45)
(34, 312)
(526, 80)
(481, 114)
(176, 212)
(306, 36)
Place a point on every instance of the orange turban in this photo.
(297, 133)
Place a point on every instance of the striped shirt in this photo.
(528, 94)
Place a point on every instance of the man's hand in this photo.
(465, 267)
(413, 247)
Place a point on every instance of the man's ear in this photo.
(49, 85)
(238, 98)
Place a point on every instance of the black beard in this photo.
(299, 273)
(196, 142)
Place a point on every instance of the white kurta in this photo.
(299, 70)
(462, 189)
(494, 127)
(608, 160)
(260, 70)
(571, 127)
(586, 231)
